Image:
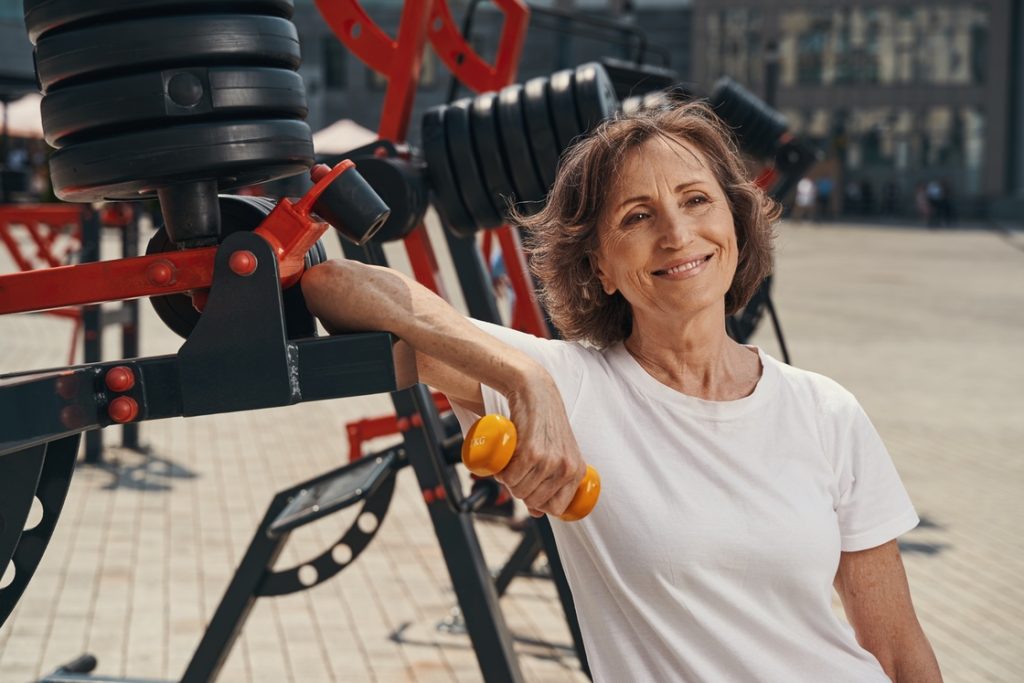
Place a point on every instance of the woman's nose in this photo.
(677, 229)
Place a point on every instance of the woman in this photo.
(736, 491)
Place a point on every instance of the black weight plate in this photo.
(42, 16)
(562, 101)
(401, 186)
(540, 129)
(468, 171)
(162, 98)
(516, 145)
(132, 166)
(320, 255)
(112, 50)
(483, 122)
(595, 95)
(442, 179)
(237, 213)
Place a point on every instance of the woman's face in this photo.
(667, 240)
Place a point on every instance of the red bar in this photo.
(94, 283)
(526, 315)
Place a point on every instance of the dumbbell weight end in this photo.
(488, 448)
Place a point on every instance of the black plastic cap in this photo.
(352, 207)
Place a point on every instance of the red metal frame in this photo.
(479, 76)
(44, 223)
(399, 60)
(368, 428)
(471, 69)
(289, 229)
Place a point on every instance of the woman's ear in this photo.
(606, 282)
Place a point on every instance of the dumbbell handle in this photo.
(489, 446)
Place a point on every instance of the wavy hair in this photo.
(563, 236)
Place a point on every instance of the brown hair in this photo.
(563, 236)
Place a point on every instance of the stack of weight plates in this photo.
(498, 149)
(144, 94)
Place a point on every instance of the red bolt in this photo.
(439, 492)
(242, 262)
(120, 379)
(428, 496)
(319, 171)
(161, 273)
(123, 409)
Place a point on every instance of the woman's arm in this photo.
(455, 356)
(876, 597)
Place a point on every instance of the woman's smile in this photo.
(682, 269)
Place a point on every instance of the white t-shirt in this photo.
(711, 553)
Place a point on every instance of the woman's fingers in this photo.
(547, 466)
(545, 482)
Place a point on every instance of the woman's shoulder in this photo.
(556, 354)
(826, 392)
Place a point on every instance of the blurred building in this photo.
(899, 93)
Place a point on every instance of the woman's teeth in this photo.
(686, 266)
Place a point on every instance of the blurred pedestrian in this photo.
(936, 194)
(806, 198)
(825, 185)
(921, 203)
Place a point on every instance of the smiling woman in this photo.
(737, 492)
(688, 140)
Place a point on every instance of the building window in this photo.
(736, 45)
(928, 44)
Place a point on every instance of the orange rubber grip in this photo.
(488, 448)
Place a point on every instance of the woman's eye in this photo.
(697, 200)
(636, 217)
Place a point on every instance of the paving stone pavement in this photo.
(925, 327)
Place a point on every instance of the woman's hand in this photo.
(547, 467)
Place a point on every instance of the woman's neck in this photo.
(695, 357)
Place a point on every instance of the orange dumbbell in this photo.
(489, 446)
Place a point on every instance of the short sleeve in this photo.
(873, 505)
(561, 359)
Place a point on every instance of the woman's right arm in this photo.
(455, 356)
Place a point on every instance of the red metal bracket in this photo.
(289, 229)
(469, 67)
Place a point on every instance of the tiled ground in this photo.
(925, 327)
